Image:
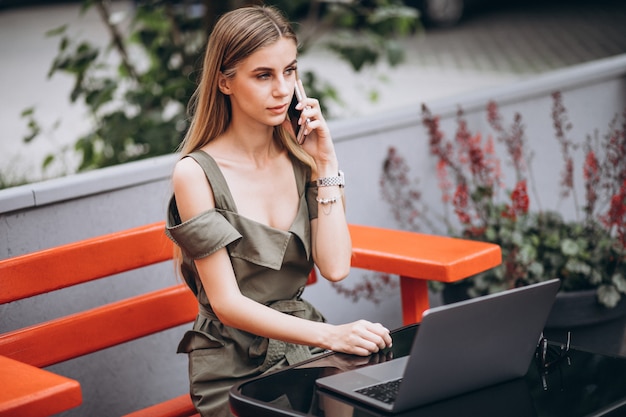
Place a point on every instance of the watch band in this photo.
(339, 180)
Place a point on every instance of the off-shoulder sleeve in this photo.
(202, 235)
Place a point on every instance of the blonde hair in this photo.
(236, 36)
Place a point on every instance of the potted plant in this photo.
(587, 253)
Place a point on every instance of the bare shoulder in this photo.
(191, 188)
(187, 169)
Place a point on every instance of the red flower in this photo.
(519, 198)
(513, 138)
(444, 183)
(591, 169)
(616, 216)
(492, 165)
(508, 213)
(591, 176)
(567, 177)
(461, 202)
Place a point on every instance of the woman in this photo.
(245, 214)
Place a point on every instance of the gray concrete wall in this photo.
(140, 373)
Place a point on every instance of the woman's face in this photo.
(263, 85)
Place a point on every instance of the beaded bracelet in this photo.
(325, 201)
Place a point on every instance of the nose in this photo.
(281, 87)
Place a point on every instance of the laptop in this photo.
(458, 348)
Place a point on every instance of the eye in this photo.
(291, 70)
(264, 76)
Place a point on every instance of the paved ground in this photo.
(527, 37)
(494, 46)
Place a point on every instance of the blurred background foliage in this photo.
(136, 88)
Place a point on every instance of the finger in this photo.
(306, 117)
(372, 342)
(309, 112)
(310, 125)
(303, 120)
(301, 95)
(381, 343)
(384, 334)
(307, 103)
(369, 346)
(387, 340)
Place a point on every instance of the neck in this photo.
(255, 147)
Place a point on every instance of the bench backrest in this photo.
(81, 333)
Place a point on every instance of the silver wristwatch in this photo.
(331, 181)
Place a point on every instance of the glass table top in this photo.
(568, 384)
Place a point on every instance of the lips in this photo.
(279, 109)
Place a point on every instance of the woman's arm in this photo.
(331, 243)
(236, 310)
(332, 246)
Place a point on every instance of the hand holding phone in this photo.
(300, 96)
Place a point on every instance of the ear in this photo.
(223, 83)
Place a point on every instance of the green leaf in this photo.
(577, 267)
(373, 96)
(97, 98)
(527, 254)
(86, 5)
(517, 238)
(619, 281)
(56, 31)
(64, 43)
(595, 277)
(569, 247)
(358, 55)
(536, 269)
(395, 53)
(29, 111)
(48, 161)
(34, 129)
(608, 296)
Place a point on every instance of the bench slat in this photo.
(78, 334)
(83, 261)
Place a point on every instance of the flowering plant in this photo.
(586, 253)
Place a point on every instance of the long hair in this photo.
(237, 35)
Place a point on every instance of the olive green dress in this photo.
(271, 266)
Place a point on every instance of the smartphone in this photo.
(294, 114)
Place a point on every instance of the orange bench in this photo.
(415, 257)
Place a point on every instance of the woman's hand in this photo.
(318, 142)
(359, 338)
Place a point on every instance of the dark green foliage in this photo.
(137, 88)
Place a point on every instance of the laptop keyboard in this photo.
(385, 391)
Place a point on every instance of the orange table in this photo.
(418, 258)
(31, 391)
